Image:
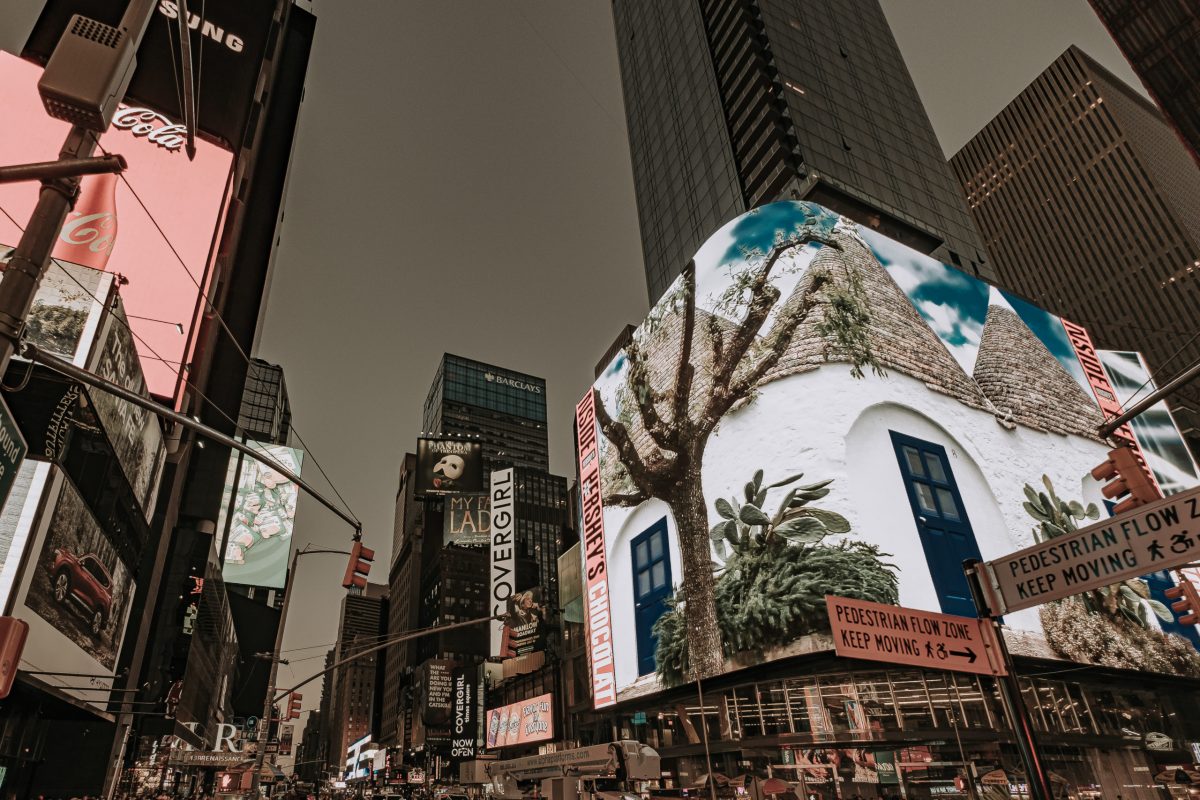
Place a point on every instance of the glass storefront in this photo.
(915, 735)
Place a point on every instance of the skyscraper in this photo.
(1161, 39)
(355, 685)
(733, 105)
(266, 412)
(503, 408)
(1090, 207)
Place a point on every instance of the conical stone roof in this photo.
(1023, 379)
(899, 338)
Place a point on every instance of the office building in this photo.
(266, 413)
(1161, 39)
(1090, 207)
(505, 409)
(355, 687)
(733, 105)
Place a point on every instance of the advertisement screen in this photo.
(526, 624)
(523, 722)
(866, 419)
(154, 225)
(467, 520)
(134, 432)
(438, 693)
(257, 528)
(228, 40)
(464, 727)
(78, 584)
(449, 466)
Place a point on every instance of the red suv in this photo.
(85, 580)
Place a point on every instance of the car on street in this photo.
(85, 582)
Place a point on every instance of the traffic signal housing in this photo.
(292, 709)
(359, 566)
(1187, 602)
(1128, 481)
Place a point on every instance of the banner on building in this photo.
(467, 520)
(526, 624)
(438, 692)
(464, 724)
(286, 732)
(448, 466)
(257, 529)
(502, 554)
(522, 722)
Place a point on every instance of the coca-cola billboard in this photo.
(154, 226)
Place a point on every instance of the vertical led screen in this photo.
(817, 410)
(116, 222)
(257, 529)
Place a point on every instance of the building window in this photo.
(651, 588)
(941, 519)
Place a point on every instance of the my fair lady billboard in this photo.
(819, 410)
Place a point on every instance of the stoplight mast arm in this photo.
(1149, 400)
(32, 352)
(403, 637)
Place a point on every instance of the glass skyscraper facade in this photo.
(731, 105)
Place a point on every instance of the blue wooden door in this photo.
(941, 519)
(651, 588)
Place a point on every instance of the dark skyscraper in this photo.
(266, 412)
(503, 408)
(1161, 39)
(730, 105)
(1090, 207)
(355, 688)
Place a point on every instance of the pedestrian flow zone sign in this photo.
(897, 635)
(1161, 535)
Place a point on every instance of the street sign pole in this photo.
(1036, 776)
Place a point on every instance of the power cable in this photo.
(220, 319)
(212, 308)
(1150, 378)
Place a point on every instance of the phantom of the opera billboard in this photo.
(154, 225)
(817, 409)
(449, 466)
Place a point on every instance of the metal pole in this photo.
(1158, 394)
(264, 722)
(1010, 694)
(83, 376)
(712, 789)
(65, 168)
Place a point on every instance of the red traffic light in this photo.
(13, 633)
(294, 702)
(359, 566)
(1187, 605)
(1127, 478)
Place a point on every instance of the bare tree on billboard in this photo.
(665, 461)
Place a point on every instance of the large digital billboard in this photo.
(522, 722)
(817, 409)
(154, 226)
(258, 516)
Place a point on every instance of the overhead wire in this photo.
(1151, 376)
(211, 308)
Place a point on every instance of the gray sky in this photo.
(462, 183)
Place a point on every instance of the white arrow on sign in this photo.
(1162, 535)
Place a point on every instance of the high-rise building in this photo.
(355, 686)
(1161, 39)
(505, 409)
(733, 105)
(266, 413)
(437, 578)
(1090, 207)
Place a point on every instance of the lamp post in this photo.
(268, 702)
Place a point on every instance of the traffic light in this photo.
(292, 711)
(1187, 601)
(13, 633)
(359, 566)
(1127, 478)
